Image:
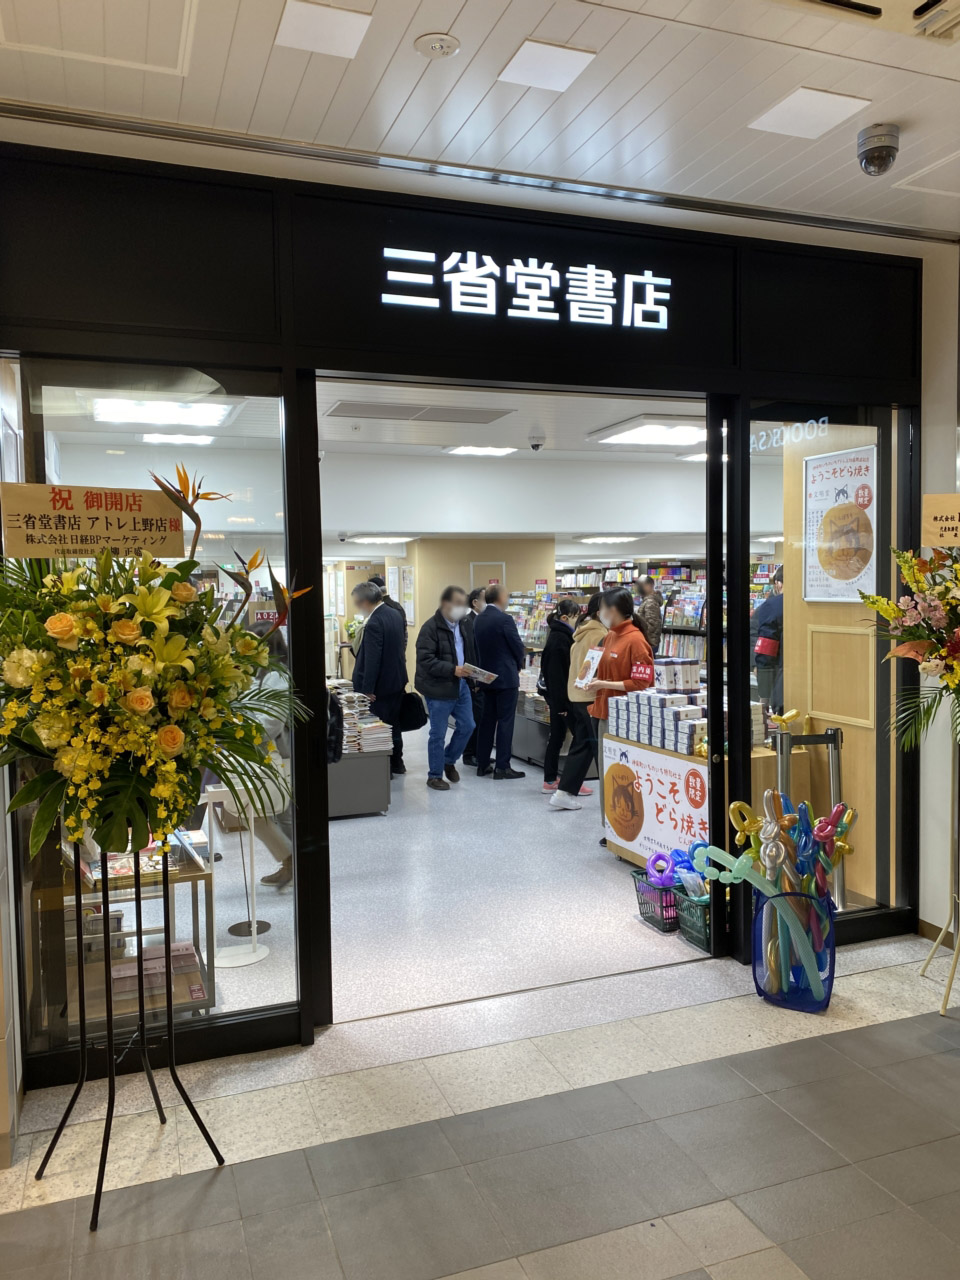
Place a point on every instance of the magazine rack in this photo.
(141, 1034)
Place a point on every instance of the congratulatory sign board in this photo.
(50, 520)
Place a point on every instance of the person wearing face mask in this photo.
(475, 606)
(443, 646)
(626, 664)
(555, 676)
(381, 668)
(589, 634)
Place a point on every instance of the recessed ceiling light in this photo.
(159, 413)
(241, 520)
(698, 457)
(320, 29)
(213, 537)
(158, 438)
(657, 433)
(546, 66)
(778, 538)
(379, 541)
(435, 46)
(117, 453)
(605, 541)
(809, 113)
(481, 451)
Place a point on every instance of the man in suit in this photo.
(500, 650)
(476, 604)
(381, 668)
(389, 601)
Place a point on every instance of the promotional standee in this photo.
(121, 683)
(839, 538)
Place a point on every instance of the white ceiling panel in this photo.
(664, 106)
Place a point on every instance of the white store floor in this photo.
(478, 891)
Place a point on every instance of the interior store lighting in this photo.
(480, 451)
(117, 453)
(213, 537)
(241, 520)
(546, 66)
(778, 538)
(699, 457)
(160, 413)
(156, 437)
(809, 113)
(379, 541)
(605, 541)
(320, 28)
(666, 433)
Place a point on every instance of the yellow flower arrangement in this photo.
(121, 680)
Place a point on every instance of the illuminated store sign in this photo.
(474, 284)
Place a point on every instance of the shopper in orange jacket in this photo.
(625, 666)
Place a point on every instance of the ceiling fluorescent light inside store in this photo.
(665, 430)
(381, 542)
(700, 457)
(158, 438)
(546, 66)
(809, 113)
(159, 413)
(606, 541)
(320, 29)
(480, 451)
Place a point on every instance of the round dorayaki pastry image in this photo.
(845, 541)
(624, 805)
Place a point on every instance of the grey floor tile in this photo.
(45, 1271)
(783, 1065)
(769, 1264)
(215, 1253)
(947, 1027)
(656, 1168)
(416, 1229)
(748, 1144)
(650, 1251)
(509, 1270)
(891, 1041)
(520, 1126)
(932, 1081)
(918, 1173)
(144, 1212)
(274, 1183)
(896, 1246)
(862, 1116)
(559, 1193)
(291, 1244)
(819, 1202)
(679, 1089)
(34, 1237)
(943, 1212)
(354, 1163)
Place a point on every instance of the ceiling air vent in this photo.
(416, 412)
(933, 19)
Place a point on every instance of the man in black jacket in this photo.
(500, 650)
(476, 605)
(443, 646)
(389, 601)
(381, 667)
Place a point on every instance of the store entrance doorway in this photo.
(485, 889)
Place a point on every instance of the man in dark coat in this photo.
(443, 646)
(476, 605)
(389, 601)
(500, 650)
(381, 667)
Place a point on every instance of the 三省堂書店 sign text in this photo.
(79, 520)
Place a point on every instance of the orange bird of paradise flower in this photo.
(243, 579)
(185, 495)
(282, 598)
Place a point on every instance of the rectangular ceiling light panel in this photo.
(370, 409)
(318, 28)
(546, 66)
(809, 113)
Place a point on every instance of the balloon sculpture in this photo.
(788, 858)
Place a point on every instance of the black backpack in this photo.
(334, 728)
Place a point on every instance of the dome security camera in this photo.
(536, 439)
(341, 537)
(877, 148)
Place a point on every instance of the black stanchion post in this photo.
(108, 1012)
(142, 1016)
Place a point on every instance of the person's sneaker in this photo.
(550, 787)
(603, 842)
(499, 774)
(485, 772)
(585, 791)
(282, 876)
(438, 784)
(451, 771)
(563, 800)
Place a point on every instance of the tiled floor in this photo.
(269, 1104)
(827, 1157)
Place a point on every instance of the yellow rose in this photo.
(179, 697)
(183, 592)
(62, 629)
(140, 701)
(170, 740)
(125, 631)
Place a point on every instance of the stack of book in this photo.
(363, 732)
(183, 959)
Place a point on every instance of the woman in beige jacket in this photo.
(583, 749)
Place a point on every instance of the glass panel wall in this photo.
(101, 428)
(821, 510)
